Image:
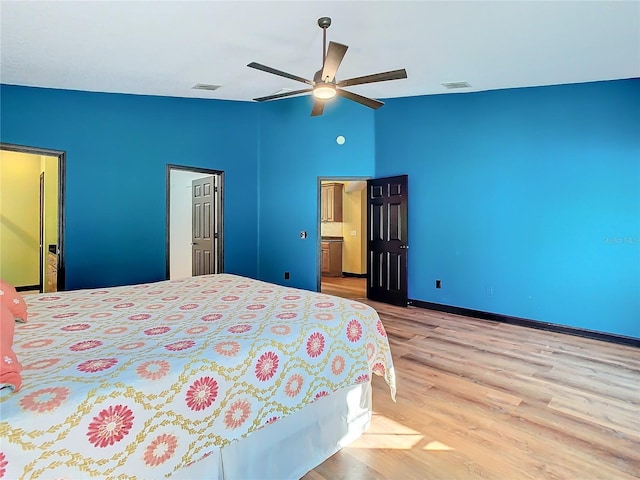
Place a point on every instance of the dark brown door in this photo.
(387, 239)
(202, 226)
(41, 286)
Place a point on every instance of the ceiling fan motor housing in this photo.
(317, 78)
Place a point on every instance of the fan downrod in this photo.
(324, 22)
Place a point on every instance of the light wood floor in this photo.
(346, 287)
(484, 400)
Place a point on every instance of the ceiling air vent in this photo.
(283, 90)
(205, 86)
(452, 85)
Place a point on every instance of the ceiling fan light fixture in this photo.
(324, 91)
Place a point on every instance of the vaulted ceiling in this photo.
(167, 47)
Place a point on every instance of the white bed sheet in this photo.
(292, 446)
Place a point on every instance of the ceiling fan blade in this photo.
(264, 68)
(282, 95)
(318, 108)
(335, 54)
(376, 77)
(368, 102)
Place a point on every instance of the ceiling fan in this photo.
(324, 85)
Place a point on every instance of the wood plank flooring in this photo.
(346, 287)
(484, 400)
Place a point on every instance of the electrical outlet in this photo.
(438, 284)
(303, 234)
(286, 275)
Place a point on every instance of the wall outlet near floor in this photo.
(438, 284)
(286, 275)
(489, 290)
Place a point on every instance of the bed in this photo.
(217, 377)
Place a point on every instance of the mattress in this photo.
(144, 381)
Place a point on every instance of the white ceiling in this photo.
(166, 47)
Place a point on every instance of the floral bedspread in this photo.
(139, 381)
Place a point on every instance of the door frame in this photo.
(62, 188)
(41, 232)
(219, 220)
(335, 178)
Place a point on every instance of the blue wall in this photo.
(117, 149)
(524, 202)
(296, 149)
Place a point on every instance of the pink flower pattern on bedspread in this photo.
(140, 381)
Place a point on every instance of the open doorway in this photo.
(342, 247)
(32, 217)
(194, 240)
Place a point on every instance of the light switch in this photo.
(354, 233)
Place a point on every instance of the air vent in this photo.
(452, 85)
(283, 90)
(205, 86)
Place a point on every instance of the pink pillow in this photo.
(11, 299)
(9, 366)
